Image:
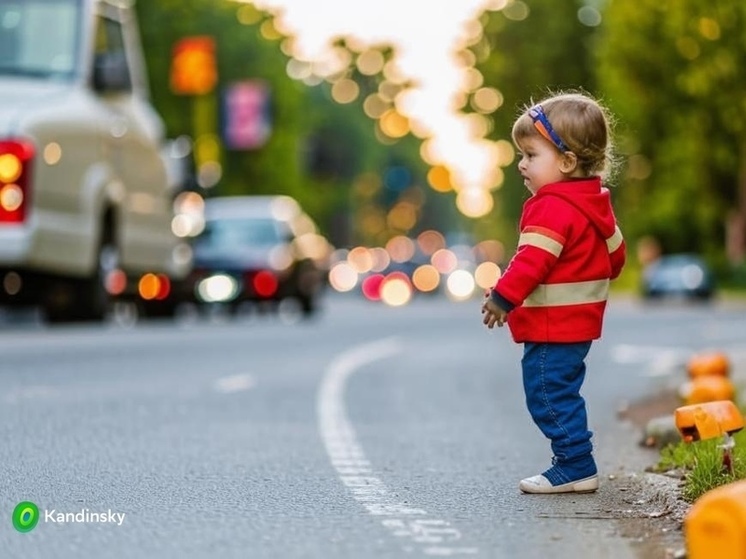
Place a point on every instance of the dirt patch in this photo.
(654, 519)
(641, 412)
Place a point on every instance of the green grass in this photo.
(701, 464)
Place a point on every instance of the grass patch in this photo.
(701, 464)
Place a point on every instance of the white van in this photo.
(85, 204)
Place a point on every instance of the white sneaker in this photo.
(540, 484)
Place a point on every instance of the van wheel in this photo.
(95, 300)
(88, 299)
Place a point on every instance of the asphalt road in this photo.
(368, 432)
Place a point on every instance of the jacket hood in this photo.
(591, 198)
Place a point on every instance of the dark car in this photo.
(678, 275)
(258, 249)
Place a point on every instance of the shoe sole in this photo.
(587, 485)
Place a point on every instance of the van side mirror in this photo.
(111, 72)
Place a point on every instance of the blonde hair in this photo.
(582, 123)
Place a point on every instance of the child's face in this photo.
(540, 163)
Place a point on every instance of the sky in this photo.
(427, 35)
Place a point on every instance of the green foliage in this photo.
(241, 54)
(670, 71)
(525, 59)
(317, 147)
(702, 464)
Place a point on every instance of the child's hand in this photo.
(493, 314)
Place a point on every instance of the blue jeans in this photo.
(553, 374)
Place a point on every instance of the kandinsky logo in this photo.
(25, 516)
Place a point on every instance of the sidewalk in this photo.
(661, 535)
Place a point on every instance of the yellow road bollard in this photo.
(715, 527)
(708, 420)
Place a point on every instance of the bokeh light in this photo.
(444, 260)
(360, 260)
(426, 278)
(474, 202)
(420, 51)
(370, 62)
(430, 241)
(343, 277)
(487, 274)
(486, 100)
(439, 178)
(371, 287)
(396, 289)
(381, 259)
(345, 91)
(400, 248)
(460, 285)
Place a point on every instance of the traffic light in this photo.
(193, 67)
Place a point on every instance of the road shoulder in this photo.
(650, 510)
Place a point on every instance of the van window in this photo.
(39, 37)
(109, 37)
(110, 52)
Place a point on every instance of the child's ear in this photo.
(568, 163)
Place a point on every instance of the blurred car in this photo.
(678, 275)
(258, 249)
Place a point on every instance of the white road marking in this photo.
(235, 383)
(38, 392)
(431, 536)
(224, 385)
(662, 361)
(628, 353)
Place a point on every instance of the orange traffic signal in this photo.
(193, 66)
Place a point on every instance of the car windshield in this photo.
(233, 233)
(39, 37)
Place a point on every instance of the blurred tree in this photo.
(242, 54)
(672, 70)
(317, 148)
(529, 50)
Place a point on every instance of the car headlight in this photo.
(219, 288)
(693, 276)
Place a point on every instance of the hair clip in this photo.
(541, 123)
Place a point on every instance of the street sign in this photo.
(246, 115)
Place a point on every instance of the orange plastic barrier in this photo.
(708, 389)
(715, 527)
(708, 363)
(708, 420)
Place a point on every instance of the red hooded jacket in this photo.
(556, 285)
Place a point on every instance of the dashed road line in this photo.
(417, 530)
(234, 383)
